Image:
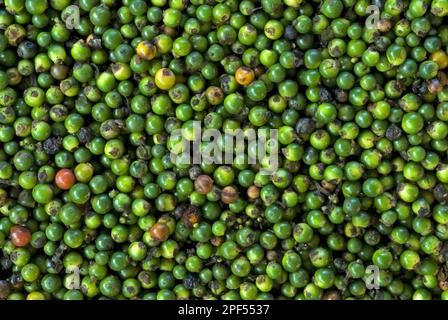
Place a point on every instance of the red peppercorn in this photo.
(203, 184)
(332, 295)
(159, 231)
(253, 192)
(65, 179)
(20, 236)
(229, 195)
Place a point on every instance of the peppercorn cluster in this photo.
(92, 205)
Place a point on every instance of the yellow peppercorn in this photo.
(35, 295)
(441, 58)
(146, 50)
(244, 76)
(165, 79)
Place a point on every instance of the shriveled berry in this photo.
(159, 232)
